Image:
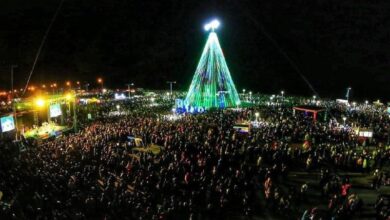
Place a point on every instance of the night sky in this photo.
(267, 44)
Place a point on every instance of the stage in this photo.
(45, 131)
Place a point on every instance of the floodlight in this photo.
(40, 102)
(214, 24)
(68, 96)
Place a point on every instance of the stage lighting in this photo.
(68, 96)
(40, 102)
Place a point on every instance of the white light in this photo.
(119, 96)
(214, 24)
(118, 107)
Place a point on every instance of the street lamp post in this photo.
(171, 86)
(129, 85)
(53, 86)
(257, 114)
(388, 133)
(13, 101)
(74, 116)
(118, 107)
(344, 119)
(100, 81)
(347, 94)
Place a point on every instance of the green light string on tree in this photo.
(212, 85)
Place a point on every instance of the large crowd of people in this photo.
(205, 169)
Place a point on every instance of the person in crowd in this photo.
(205, 168)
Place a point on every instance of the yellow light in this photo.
(100, 80)
(40, 102)
(68, 96)
(68, 83)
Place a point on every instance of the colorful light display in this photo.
(212, 85)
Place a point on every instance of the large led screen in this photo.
(55, 110)
(7, 123)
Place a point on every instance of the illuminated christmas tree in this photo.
(212, 85)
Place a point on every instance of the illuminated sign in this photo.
(7, 123)
(367, 134)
